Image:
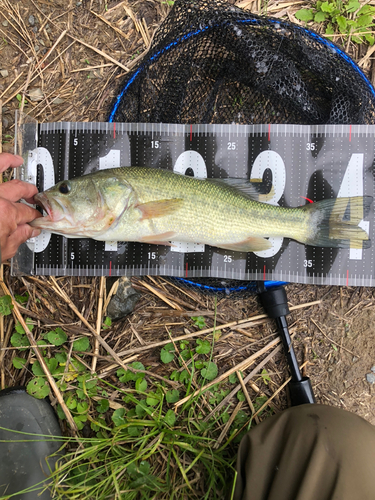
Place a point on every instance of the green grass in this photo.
(141, 445)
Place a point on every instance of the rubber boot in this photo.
(23, 464)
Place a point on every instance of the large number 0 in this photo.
(270, 160)
(40, 156)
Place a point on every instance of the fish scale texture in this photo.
(211, 62)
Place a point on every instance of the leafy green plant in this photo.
(6, 305)
(203, 347)
(22, 299)
(349, 18)
(18, 363)
(107, 323)
(199, 321)
(265, 376)
(145, 434)
(210, 370)
(167, 353)
(57, 337)
(19, 99)
(141, 443)
(19, 337)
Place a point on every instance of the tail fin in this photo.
(334, 222)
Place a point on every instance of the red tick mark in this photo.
(308, 199)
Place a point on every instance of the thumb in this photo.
(20, 235)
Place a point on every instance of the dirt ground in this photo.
(64, 61)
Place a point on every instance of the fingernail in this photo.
(19, 157)
(36, 232)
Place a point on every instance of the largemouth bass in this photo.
(157, 206)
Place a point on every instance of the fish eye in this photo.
(64, 187)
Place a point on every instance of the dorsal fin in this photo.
(254, 190)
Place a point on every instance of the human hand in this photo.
(14, 216)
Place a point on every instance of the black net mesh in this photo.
(211, 62)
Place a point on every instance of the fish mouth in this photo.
(54, 209)
(42, 201)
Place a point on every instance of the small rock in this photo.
(355, 359)
(124, 301)
(57, 100)
(4, 73)
(5, 122)
(36, 94)
(36, 47)
(32, 20)
(373, 369)
(370, 377)
(5, 23)
(78, 4)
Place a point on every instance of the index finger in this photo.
(8, 160)
(16, 190)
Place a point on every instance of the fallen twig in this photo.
(98, 324)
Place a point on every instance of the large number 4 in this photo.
(352, 185)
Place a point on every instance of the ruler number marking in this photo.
(270, 160)
(41, 156)
(352, 185)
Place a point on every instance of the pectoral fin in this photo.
(252, 244)
(159, 208)
(159, 239)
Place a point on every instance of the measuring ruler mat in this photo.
(296, 164)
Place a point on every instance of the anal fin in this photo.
(251, 244)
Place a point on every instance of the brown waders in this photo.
(308, 452)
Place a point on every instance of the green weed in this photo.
(141, 446)
(348, 18)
